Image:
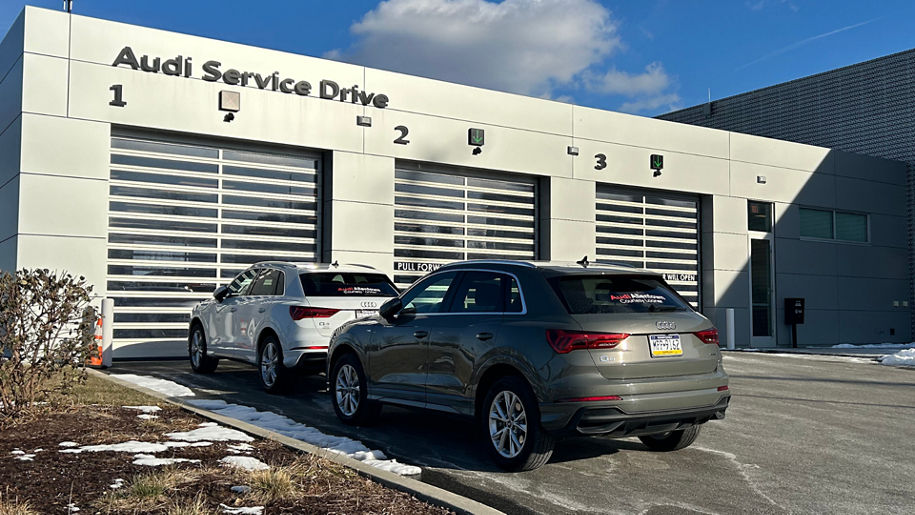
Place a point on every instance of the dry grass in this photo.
(149, 490)
(195, 506)
(100, 391)
(13, 506)
(275, 484)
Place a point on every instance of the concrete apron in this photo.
(418, 489)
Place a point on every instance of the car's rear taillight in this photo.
(564, 341)
(708, 336)
(300, 312)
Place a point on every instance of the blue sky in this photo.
(642, 56)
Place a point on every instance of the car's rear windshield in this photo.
(583, 294)
(335, 284)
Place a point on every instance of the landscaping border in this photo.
(425, 492)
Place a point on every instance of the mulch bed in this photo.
(53, 480)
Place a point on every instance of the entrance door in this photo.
(762, 277)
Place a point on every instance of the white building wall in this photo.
(63, 199)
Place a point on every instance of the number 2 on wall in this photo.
(601, 161)
(403, 134)
(118, 100)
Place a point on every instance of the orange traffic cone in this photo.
(96, 361)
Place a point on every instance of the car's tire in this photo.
(201, 362)
(275, 377)
(349, 394)
(672, 440)
(510, 426)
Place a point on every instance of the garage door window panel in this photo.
(171, 198)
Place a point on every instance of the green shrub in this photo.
(46, 336)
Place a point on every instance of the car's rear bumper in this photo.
(306, 359)
(613, 421)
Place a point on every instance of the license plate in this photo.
(365, 313)
(665, 345)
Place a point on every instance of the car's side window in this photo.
(239, 286)
(280, 289)
(487, 292)
(429, 296)
(265, 284)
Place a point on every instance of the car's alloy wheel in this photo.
(349, 395)
(346, 389)
(507, 424)
(510, 423)
(197, 352)
(270, 362)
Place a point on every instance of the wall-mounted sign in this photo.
(180, 66)
(475, 137)
(679, 277)
(657, 161)
(405, 266)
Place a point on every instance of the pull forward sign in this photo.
(475, 137)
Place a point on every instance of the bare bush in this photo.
(46, 336)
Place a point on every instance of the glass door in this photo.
(762, 278)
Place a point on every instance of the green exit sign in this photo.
(657, 161)
(475, 137)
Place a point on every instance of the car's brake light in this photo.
(708, 336)
(564, 341)
(300, 312)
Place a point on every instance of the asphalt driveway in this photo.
(804, 434)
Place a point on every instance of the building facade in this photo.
(159, 165)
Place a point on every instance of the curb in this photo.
(422, 491)
(804, 353)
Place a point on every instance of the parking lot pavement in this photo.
(804, 434)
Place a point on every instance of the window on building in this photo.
(759, 216)
(851, 227)
(833, 225)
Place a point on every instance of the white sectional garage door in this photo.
(442, 216)
(657, 231)
(185, 217)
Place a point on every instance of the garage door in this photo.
(185, 217)
(651, 230)
(443, 216)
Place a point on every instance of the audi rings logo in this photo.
(369, 304)
(666, 325)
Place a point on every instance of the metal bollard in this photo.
(107, 330)
(729, 322)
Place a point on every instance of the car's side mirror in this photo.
(221, 293)
(391, 308)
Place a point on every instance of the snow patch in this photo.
(130, 446)
(875, 346)
(254, 510)
(288, 427)
(244, 462)
(211, 433)
(72, 508)
(68, 444)
(151, 461)
(904, 358)
(144, 409)
(241, 489)
(17, 452)
(118, 483)
(144, 416)
(165, 387)
(240, 447)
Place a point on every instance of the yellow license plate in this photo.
(662, 345)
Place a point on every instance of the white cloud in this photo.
(652, 82)
(522, 46)
(670, 102)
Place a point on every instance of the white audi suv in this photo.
(280, 316)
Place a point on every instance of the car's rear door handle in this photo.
(484, 336)
(420, 334)
(261, 310)
(233, 310)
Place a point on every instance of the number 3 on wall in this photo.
(601, 161)
(118, 100)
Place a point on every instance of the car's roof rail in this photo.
(370, 267)
(492, 262)
(614, 263)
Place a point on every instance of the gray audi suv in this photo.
(536, 351)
